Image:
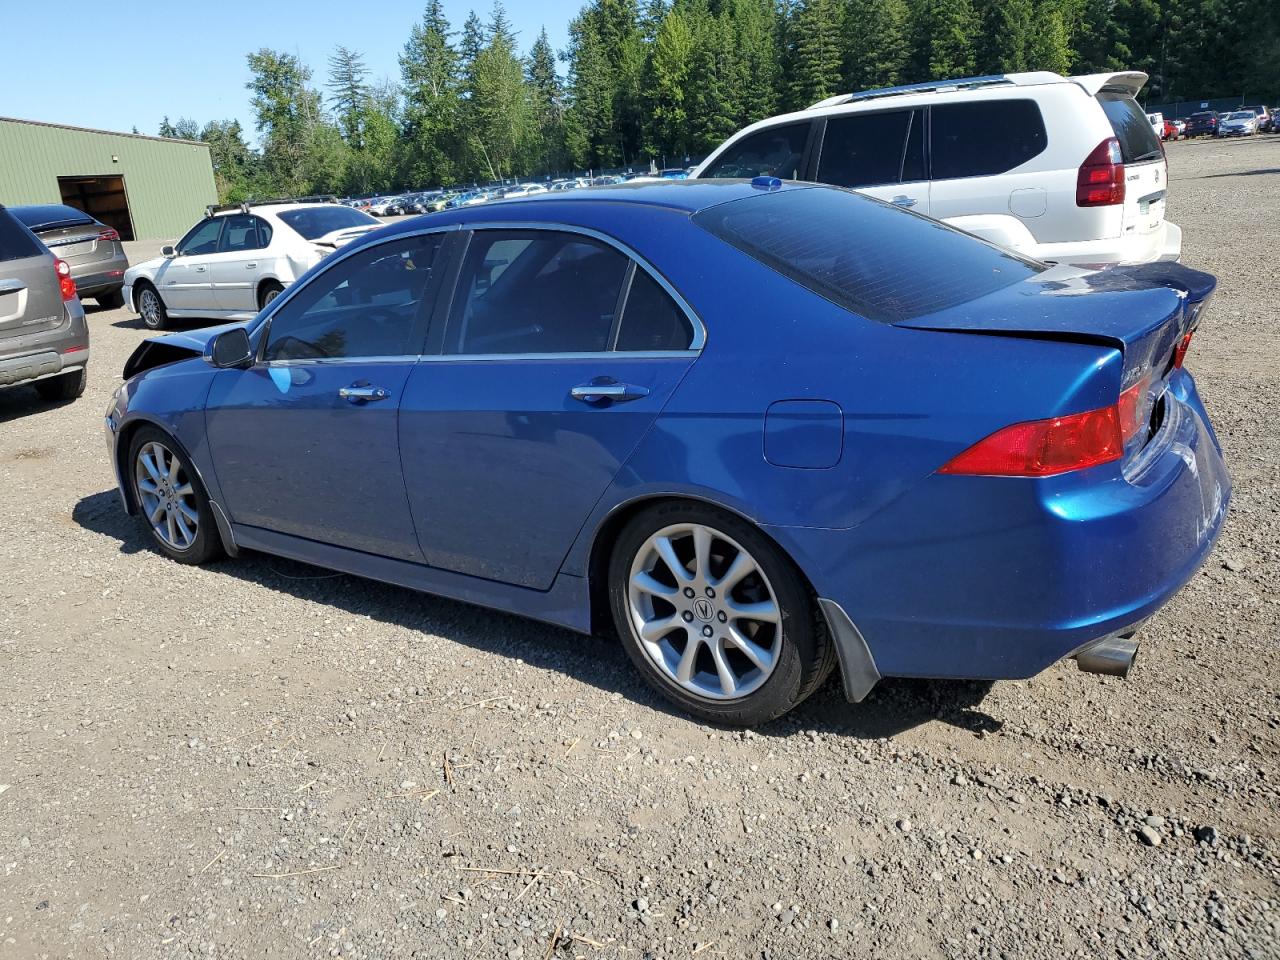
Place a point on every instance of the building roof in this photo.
(107, 133)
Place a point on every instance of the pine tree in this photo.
(951, 31)
(498, 112)
(589, 119)
(233, 162)
(429, 68)
(877, 43)
(1048, 48)
(347, 74)
(667, 87)
(815, 68)
(547, 101)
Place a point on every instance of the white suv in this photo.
(1062, 169)
(238, 259)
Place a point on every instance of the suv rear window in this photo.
(869, 257)
(16, 243)
(1138, 140)
(985, 137)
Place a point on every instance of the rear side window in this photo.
(524, 292)
(16, 243)
(651, 320)
(773, 152)
(983, 138)
(866, 256)
(243, 231)
(865, 149)
(1138, 140)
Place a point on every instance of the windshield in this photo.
(1241, 115)
(313, 222)
(869, 257)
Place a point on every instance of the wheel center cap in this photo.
(703, 610)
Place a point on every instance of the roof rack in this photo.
(244, 206)
(928, 86)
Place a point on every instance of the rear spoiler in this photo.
(1129, 82)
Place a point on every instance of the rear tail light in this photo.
(108, 235)
(1044, 448)
(1131, 410)
(1180, 351)
(1100, 180)
(66, 285)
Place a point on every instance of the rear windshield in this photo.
(16, 243)
(881, 262)
(313, 222)
(49, 215)
(1202, 116)
(1138, 141)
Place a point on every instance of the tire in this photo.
(64, 387)
(268, 292)
(788, 653)
(170, 501)
(111, 301)
(151, 308)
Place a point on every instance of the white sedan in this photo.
(238, 259)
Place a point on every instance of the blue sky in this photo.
(116, 66)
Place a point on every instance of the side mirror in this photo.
(168, 251)
(229, 349)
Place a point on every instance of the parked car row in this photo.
(1234, 123)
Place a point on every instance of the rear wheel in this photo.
(112, 301)
(716, 618)
(63, 387)
(171, 501)
(151, 308)
(268, 292)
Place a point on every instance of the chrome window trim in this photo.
(263, 324)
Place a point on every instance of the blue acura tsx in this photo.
(761, 430)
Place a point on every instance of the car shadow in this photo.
(1239, 173)
(173, 325)
(893, 707)
(19, 402)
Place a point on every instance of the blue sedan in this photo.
(760, 430)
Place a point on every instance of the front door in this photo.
(559, 353)
(306, 440)
(184, 281)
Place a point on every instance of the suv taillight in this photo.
(66, 286)
(1100, 181)
(108, 234)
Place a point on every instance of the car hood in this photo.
(172, 347)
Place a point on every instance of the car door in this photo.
(305, 440)
(235, 267)
(559, 353)
(184, 280)
(879, 153)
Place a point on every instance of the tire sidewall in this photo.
(206, 544)
(800, 655)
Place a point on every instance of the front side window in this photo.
(864, 149)
(369, 304)
(242, 231)
(202, 238)
(533, 291)
(986, 137)
(772, 152)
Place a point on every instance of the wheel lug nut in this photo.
(722, 617)
(688, 617)
(710, 592)
(688, 592)
(706, 631)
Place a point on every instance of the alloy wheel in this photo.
(166, 495)
(149, 307)
(704, 612)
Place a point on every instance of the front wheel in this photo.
(716, 618)
(151, 309)
(171, 500)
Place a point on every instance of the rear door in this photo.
(234, 268)
(30, 301)
(1145, 170)
(559, 353)
(880, 153)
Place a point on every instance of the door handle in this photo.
(602, 390)
(363, 393)
(902, 200)
(200, 269)
(251, 266)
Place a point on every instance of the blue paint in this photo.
(485, 481)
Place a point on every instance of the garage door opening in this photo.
(101, 197)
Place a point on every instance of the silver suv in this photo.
(44, 340)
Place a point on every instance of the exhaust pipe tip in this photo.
(1112, 656)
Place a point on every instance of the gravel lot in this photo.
(263, 759)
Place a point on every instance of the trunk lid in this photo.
(77, 244)
(1145, 312)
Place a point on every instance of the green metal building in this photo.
(148, 188)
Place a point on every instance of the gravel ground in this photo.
(262, 759)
